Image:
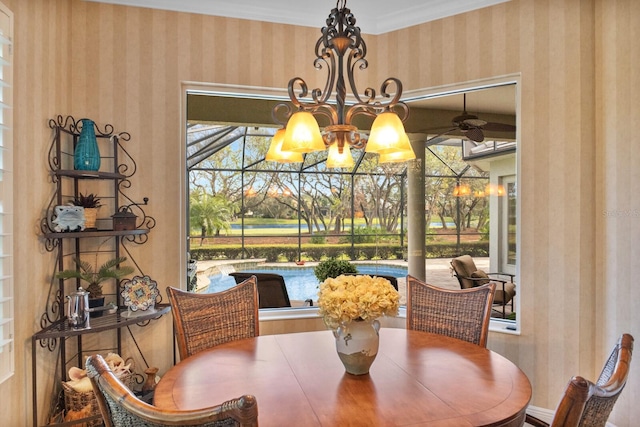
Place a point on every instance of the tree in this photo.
(446, 169)
(210, 213)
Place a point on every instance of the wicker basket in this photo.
(78, 401)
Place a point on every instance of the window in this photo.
(508, 231)
(470, 160)
(6, 196)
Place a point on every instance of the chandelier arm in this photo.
(342, 135)
(404, 109)
(326, 110)
(325, 55)
(361, 108)
(292, 93)
(355, 140)
(398, 92)
(317, 106)
(358, 141)
(356, 59)
(281, 113)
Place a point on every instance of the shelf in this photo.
(95, 233)
(106, 322)
(117, 172)
(89, 174)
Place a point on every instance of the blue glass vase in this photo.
(86, 156)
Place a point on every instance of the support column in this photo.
(416, 212)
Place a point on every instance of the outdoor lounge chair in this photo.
(272, 291)
(120, 407)
(457, 313)
(392, 279)
(587, 404)
(202, 321)
(469, 276)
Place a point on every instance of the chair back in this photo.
(120, 407)
(463, 268)
(392, 279)
(462, 314)
(586, 404)
(272, 291)
(202, 321)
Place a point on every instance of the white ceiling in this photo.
(372, 16)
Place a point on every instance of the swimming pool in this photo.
(301, 282)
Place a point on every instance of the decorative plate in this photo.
(140, 293)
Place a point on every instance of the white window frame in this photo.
(7, 326)
(505, 213)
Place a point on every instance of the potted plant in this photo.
(333, 268)
(90, 203)
(86, 272)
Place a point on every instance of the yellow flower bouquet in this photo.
(361, 297)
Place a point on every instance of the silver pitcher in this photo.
(78, 310)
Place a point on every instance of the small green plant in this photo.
(318, 238)
(85, 271)
(485, 233)
(88, 201)
(361, 235)
(333, 268)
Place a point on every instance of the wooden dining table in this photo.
(417, 379)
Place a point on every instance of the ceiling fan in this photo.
(472, 127)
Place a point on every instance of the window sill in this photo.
(276, 314)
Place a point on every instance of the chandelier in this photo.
(340, 50)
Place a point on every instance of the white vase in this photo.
(357, 345)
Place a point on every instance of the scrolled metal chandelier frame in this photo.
(341, 42)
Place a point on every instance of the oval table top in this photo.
(417, 379)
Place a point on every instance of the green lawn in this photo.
(275, 231)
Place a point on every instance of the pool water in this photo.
(301, 282)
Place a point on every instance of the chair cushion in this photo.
(507, 295)
(479, 274)
(464, 265)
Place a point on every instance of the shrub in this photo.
(319, 238)
(485, 232)
(333, 268)
(361, 235)
(315, 252)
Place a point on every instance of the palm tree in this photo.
(211, 213)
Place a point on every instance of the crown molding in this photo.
(373, 16)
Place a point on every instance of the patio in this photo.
(437, 271)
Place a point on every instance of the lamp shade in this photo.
(494, 190)
(461, 190)
(275, 153)
(303, 134)
(387, 135)
(397, 157)
(337, 160)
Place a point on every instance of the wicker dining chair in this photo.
(586, 404)
(202, 321)
(456, 313)
(120, 407)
